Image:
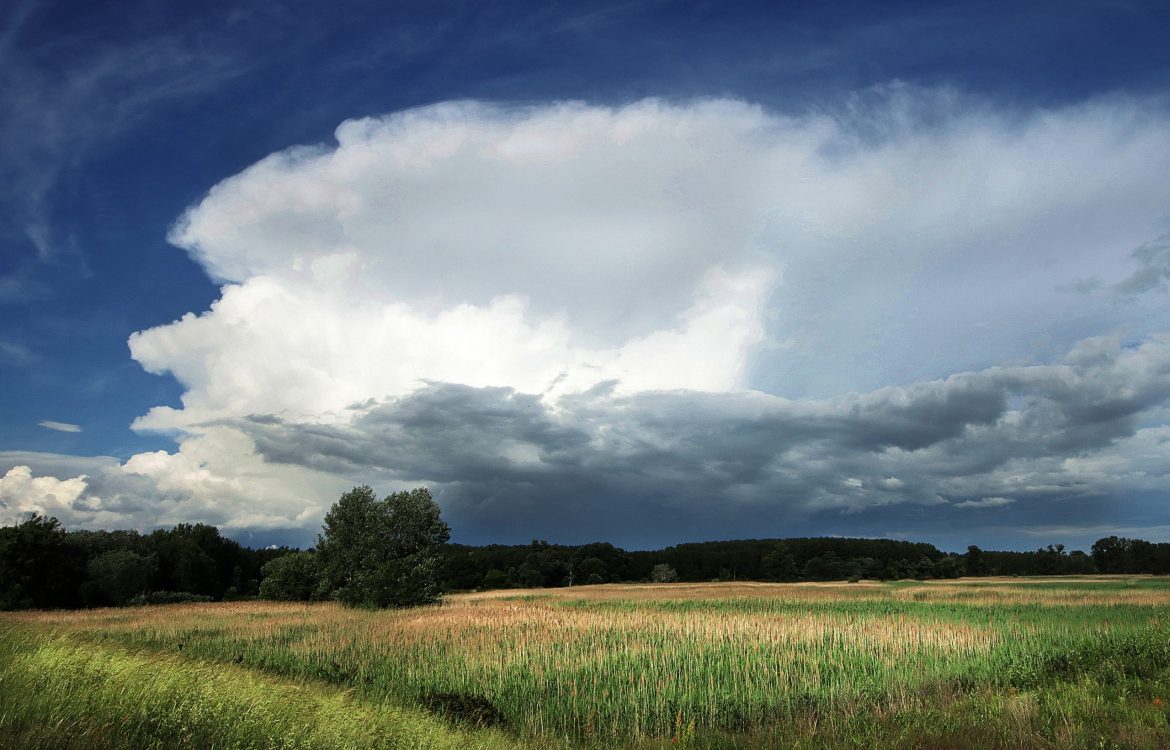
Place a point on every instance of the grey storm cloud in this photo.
(1016, 446)
(1153, 269)
(748, 460)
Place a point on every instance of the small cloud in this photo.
(987, 502)
(59, 426)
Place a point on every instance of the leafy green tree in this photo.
(382, 553)
(495, 579)
(779, 565)
(39, 567)
(1113, 554)
(827, 567)
(117, 576)
(1079, 563)
(950, 566)
(974, 563)
(529, 576)
(591, 570)
(898, 570)
(871, 568)
(924, 569)
(294, 577)
(196, 559)
(350, 537)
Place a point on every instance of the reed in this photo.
(637, 665)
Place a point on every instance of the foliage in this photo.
(42, 566)
(38, 567)
(495, 579)
(292, 577)
(663, 573)
(382, 553)
(1121, 555)
(973, 562)
(541, 564)
(168, 597)
(117, 576)
(778, 564)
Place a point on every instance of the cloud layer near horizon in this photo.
(572, 320)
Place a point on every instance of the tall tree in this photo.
(117, 576)
(973, 562)
(382, 553)
(39, 567)
(1113, 555)
(291, 577)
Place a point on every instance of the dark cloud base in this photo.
(981, 457)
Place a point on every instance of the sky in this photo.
(642, 272)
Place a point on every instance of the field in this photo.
(999, 663)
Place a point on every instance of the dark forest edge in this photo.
(43, 566)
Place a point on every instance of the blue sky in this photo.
(560, 261)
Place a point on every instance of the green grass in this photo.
(58, 692)
(990, 664)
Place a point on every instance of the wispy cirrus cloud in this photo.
(49, 424)
(67, 97)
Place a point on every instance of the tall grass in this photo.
(60, 693)
(627, 664)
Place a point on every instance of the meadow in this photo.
(997, 663)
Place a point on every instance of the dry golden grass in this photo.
(636, 660)
(996, 590)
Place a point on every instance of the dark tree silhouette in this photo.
(39, 568)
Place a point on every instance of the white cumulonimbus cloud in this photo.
(612, 267)
(22, 494)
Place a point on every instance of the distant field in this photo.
(1001, 663)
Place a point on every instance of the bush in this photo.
(168, 597)
(294, 577)
(663, 573)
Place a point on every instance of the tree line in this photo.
(803, 559)
(394, 551)
(43, 566)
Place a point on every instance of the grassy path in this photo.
(57, 692)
